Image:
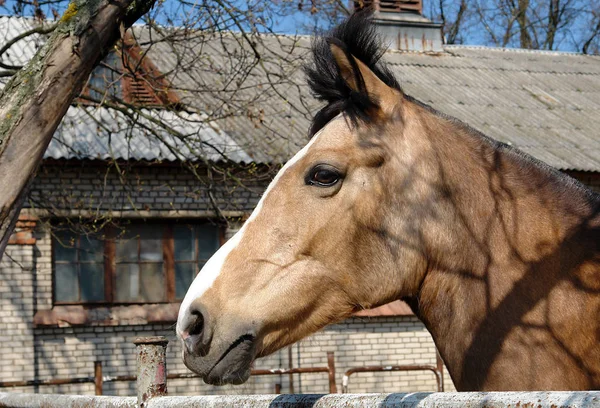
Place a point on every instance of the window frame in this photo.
(110, 264)
(77, 263)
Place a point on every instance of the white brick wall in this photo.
(42, 353)
(159, 188)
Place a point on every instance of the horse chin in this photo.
(232, 366)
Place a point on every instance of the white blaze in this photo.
(211, 270)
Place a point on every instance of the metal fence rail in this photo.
(437, 370)
(99, 380)
(152, 393)
(390, 368)
(413, 400)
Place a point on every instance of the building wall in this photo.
(99, 189)
(30, 352)
(62, 352)
(59, 352)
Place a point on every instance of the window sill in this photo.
(396, 308)
(90, 315)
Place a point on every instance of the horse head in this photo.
(315, 248)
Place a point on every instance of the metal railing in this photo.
(438, 371)
(406, 367)
(99, 380)
(152, 390)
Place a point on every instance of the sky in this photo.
(180, 12)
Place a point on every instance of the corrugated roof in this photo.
(99, 133)
(545, 103)
(23, 50)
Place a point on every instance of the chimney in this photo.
(403, 26)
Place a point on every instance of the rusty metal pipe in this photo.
(53, 381)
(151, 368)
(406, 367)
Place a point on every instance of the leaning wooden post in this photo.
(331, 367)
(98, 377)
(151, 368)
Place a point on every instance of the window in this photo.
(106, 78)
(78, 268)
(141, 263)
(192, 248)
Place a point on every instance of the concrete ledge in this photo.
(420, 400)
(589, 399)
(18, 400)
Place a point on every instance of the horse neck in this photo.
(503, 222)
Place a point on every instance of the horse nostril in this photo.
(197, 326)
(193, 337)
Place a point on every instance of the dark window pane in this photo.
(91, 249)
(127, 248)
(151, 242)
(127, 283)
(92, 282)
(208, 240)
(105, 81)
(184, 242)
(152, 282)
(65, 246)
(184, 275)
(66, 283)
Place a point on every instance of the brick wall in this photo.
(59, 352)
(100, 189)
(52, 352)
(17, 306)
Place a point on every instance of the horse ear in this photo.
(361, 79)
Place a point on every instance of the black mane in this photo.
(356, 36)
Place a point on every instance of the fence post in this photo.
(98, 377)
(440, 368)
(151, 368)
(331, 367)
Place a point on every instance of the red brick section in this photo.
(396, 308)
(23, 233)
(147, 86)
(93, 315)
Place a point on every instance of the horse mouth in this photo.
(232, 367)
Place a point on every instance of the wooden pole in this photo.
(98, 377)
(331, 367)
(290, 366)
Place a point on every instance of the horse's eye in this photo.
(323, 175)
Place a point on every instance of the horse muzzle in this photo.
(229, 363)
(219, 356)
